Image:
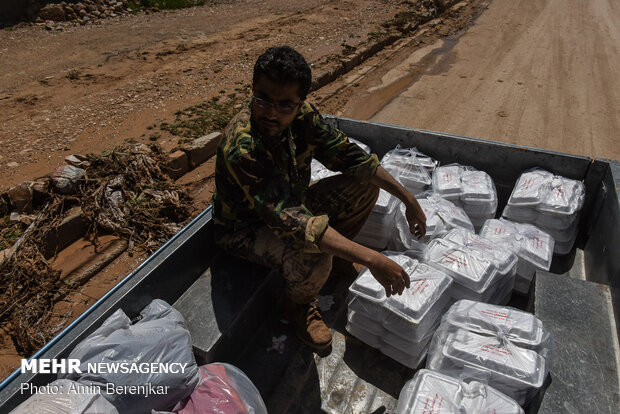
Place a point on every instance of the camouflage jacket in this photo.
(264, 182)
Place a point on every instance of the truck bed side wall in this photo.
(602, 250)
(166, 275)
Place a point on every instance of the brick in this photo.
(70, 229)
(203, 148)
(178, 164)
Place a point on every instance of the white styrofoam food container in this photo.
(505, 260)
(468, 188)
(548, 193)
(473, 273)
(533, 246)
(379, 226)
(507, 347)
(410, 168)
(411, 314)
(521, 328)
(515, 371)
(430, 392)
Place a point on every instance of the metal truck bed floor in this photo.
(350, 377)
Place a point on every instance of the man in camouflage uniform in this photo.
(265, 209)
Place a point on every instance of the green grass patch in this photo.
(210, 116)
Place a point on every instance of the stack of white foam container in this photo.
(318, 171)
(468, 188)
(401, 326)
(551, 202)
(505, 347)
(533, 247)
(475, 276)
(441, 216)
(409, 167)
(504, 260)
(379, 227)
(430, 392)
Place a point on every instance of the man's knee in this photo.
(305, 274)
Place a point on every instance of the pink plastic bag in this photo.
(223, 389)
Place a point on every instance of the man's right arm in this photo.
(388, 273)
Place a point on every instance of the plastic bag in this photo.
(441, 217)
(504, 260)
(160, 337)
(468, 188)
(66, 177)
(551, 202)
(547, 193)
(505, 347)
(410, 168)
(66, 397)
(533, 247)
(223, 389)
(432, 392)
(475, 276)
(318, 171)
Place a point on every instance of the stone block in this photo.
(178, 164)
(71, 228)
(203, 148)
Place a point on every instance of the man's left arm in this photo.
(336, 152)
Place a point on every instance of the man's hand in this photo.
(415, 215)
(389, 274)
(415, 218)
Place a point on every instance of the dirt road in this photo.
(88, 88)
(85, 89)
(542, 74)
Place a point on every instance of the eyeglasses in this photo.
(286, 109)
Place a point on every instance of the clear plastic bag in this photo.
(533, 246)
(410, 168)
(505, 347)
(548, 193)
(475, 276)
(432, 392)
(551, 202)
(441, 217)
(223, 389)
(160, 336)
(466, 187)
(500, 289)
(66, 397)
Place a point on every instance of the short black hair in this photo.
(284, 64)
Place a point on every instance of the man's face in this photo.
(275, 106)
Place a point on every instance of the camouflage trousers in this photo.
(346, 202)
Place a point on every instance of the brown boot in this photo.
(308, 324)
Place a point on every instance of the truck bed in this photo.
(233, 308)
